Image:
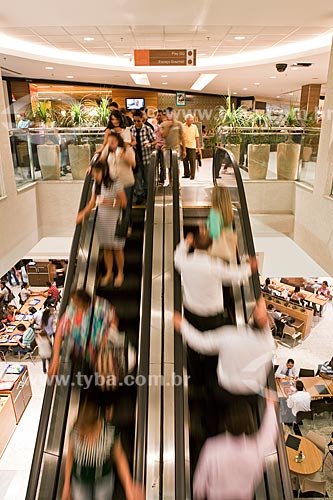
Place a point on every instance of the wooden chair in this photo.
(329, 452)
(291, 332)
(304, 372)
(313, 486)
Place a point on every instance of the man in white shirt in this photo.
(202, 278)
(245, 353)
(287, 371)
(300, 400)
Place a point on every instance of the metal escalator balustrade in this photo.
(76, 272)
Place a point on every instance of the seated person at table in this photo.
(298, 296)
(300, 400)
(36, 317)
(52, 294)
(284, 293)
(11, 312)
(245, 353)
(28, 337)
(25, 293)
(287, 370)
(4, 293)
(324, 290)
(267, 288)
(326, 371)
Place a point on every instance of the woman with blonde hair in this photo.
(220, 225)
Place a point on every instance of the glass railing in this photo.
(276, 153)
(53, 153)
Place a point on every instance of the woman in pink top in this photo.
(231, 465)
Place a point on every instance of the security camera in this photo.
(281, 67)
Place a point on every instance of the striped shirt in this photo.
(327, 369)
(28, 337)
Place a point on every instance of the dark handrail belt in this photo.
(49, 390)
(180, 475)
(140, 452)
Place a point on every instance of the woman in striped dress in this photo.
(94, 445)
(110, 197)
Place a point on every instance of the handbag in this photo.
(225, 247)
(111, 361)
(122, 224)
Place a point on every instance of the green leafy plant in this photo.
(103, 112)
(292, 118)
(43, 112)
(228, 119)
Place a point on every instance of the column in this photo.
(310, 96)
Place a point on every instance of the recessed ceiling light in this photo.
(140, 78)
(70, 76)
(59, 99)
(164, 83)
(164, 76)
(291, 93)
(203, 81)
(49, 67)
(256, 83)
(239, 37)
(245, 88)
(234, 93)
(278, 97)
(88, 38)
(273, 77)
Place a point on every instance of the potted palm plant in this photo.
(48, 153)
(288, 153)
(79, 154)
(228, 119)
(258, 152)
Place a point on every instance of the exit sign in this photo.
(165, 57)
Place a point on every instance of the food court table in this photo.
(36, 301)
(317, 387)
(312, 457)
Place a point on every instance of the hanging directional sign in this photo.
(165, 57)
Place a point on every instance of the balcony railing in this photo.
(275, 153)
(53, 153)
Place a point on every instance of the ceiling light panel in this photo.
(180, 29)
(245, 30)
(49, 30)
(82, 30)
(203, 81)
(120, 30)
(16, 31)
(140, 78)
(278, 30)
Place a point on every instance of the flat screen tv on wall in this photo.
(135, 103)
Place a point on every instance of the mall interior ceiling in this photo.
(238, 44)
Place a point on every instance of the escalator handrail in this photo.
(49, 390)
(180, 476)
(248, 236)
(140, 453)
(249, 245)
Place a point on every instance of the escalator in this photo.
(133, 305)
(196, 415)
